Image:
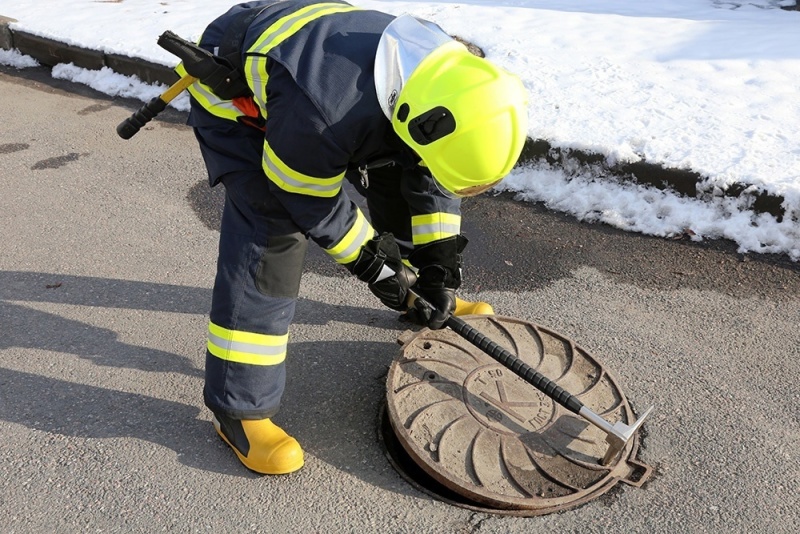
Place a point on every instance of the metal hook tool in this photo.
(618, 435)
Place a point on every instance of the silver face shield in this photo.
(405, 42)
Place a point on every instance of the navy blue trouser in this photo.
(260, 263)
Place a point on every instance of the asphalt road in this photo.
(107, 260)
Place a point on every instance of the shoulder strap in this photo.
(230, 47)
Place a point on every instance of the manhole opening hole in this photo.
(465, 430)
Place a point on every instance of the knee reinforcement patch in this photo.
(281, 265)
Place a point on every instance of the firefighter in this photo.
(329, 92)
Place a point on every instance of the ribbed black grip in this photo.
(128, 128)
(520, 368)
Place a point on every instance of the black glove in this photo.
(439, 276)
(379, 264)
(440, 300)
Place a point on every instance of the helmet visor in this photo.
(405, 42)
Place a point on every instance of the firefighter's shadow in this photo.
(90, 412)
(331, 405)
(333, 394)
(27, 326)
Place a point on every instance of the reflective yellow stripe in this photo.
(255, 67)
(255, 63)
(246, 347)
(295, 182)
(210, 102)
(255, 70)
(347, 249)
(287, 26)
(434, 226)
(180, 70)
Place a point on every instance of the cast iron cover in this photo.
(488, 435)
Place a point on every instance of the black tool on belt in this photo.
(223, 73)
(217, 72)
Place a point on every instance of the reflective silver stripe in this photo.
(246, 347)
(208, 100)
(348, 248)
(279, 31)
(304, 185)
(434, 226)
(441, 228)
(250, 348)
(213, 104)
(256, 73)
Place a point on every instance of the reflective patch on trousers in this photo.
(281, 265)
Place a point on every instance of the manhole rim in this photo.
(626, 468)
(397, 465)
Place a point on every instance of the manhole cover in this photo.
(481, 431)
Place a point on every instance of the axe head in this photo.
(619, 435)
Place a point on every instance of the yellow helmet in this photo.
(465, 117)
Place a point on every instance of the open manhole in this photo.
(464, 429)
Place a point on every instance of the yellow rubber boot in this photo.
(464, 307)
(261, 445)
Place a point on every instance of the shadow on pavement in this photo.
(335, 420)
(332, 400)
(23, 286)
(33, 329)
(89, 412)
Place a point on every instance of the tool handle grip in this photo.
(517, 366)
(128, 128)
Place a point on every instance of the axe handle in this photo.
(517, 366)
(177, 88)
(130, 126)
(617, 435)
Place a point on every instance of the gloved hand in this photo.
(439, 276)
(440, 299)
(380, 265)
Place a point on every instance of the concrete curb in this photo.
(50, 52)
(686, 183)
